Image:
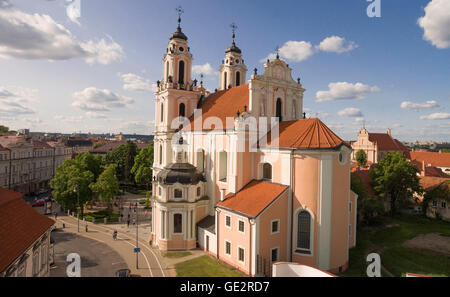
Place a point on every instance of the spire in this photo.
(179, 33)
(233, 47)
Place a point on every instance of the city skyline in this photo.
(87, 73)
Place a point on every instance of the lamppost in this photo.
(76, 190)
(137, 232)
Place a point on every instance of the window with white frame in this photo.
(223, 166)
(304, 231)
(228, 221)
(228, 248)
(241, 254)
(177, 223)
(274, 255)
(178, 193)
(241, 226)
(275, 226)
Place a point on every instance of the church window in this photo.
(304, 230)
(181, 49)
(181, 72)
(279, 109)
(177, 223)
(167, 70)
(182, 110)
(201, 160)
(177, 193)
(238, 78)
(160, 154)
(198, 191)
(267, 171)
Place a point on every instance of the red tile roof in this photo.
(223, 104)
(253, 198)
(428, 182)
(386, 143)
(20, 226)
(306, 134)
(435, 159)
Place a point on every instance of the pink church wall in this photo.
(340, 215)
(305, 194)
(353, 219)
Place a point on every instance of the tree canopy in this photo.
(396, 179)
(106, 186)
(142, 168)
(123, 156)
(361, 158)
(368, 207)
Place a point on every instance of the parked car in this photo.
(39, 202)
(123, 273)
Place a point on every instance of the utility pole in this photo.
(137, 236)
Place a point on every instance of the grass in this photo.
(100, 215)
(205, 266)
(173, 255)
(394, 257)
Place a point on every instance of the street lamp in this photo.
(76, 190)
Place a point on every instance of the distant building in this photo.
(377, 145)
(24, 238)
(109, 146)
(438, 207)
(23, 131)
(427, 160)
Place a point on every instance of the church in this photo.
(242, 173)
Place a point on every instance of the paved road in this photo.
(149, 261)
(97, 258)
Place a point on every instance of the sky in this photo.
(91, 65)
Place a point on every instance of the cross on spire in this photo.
(277, 49)
(233, 29)
(180, 11)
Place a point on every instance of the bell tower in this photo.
(233, 70)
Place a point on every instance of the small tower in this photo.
(233, 70)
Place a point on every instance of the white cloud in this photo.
(15, 100)
(418, 106)
(436, 23)
(36, 36)
(204, 69)
(95, 115)
(93, 99)
(350, 112)
(436, 116)
(295, 51)
(133, 82)
(69, 119)
(336, 44)
(73, 11)
(345, 90)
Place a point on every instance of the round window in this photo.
(181, 49)
(237, 61)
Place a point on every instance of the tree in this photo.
(90, 162)
(71, 185)
(107, 186)
(142, 168)
(368, 207)
(122, 156)
(131, 150)
(4, 129)
(361, 158)
(396, 179)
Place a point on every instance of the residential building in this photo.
(219, 184)
(439, 207)
(24, 238)
(427, 160)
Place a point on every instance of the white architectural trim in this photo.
(311, 234)
(237, 258)
(325, 211)
(271, 230)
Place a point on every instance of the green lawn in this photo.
(205, 266)
(394, 257)
(177, 254)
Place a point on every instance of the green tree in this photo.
(4, 129)
(71, 185)
(122, 156)
(396, 179)
(142, 168)
(361, 158)
(131, 150)
(107, 186)
(368, 207)
(90, 162)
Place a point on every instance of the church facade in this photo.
(242, 174)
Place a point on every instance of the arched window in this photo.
(177, 193)
(167, 70)
(267, 171)
(177, 223)
(304, 230)
(279, 109)
(223, 166)
(238, 78)
(160, 154)
(162, 112)
(225, 80)
(182, 110)
(201, 160)
(181, 72)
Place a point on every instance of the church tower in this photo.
(176, 97)
(233, 70)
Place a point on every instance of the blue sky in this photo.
(94, 73)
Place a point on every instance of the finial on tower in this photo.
(233, 29)
(277, 49)
(180, 11)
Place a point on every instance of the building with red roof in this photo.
(24, 237)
